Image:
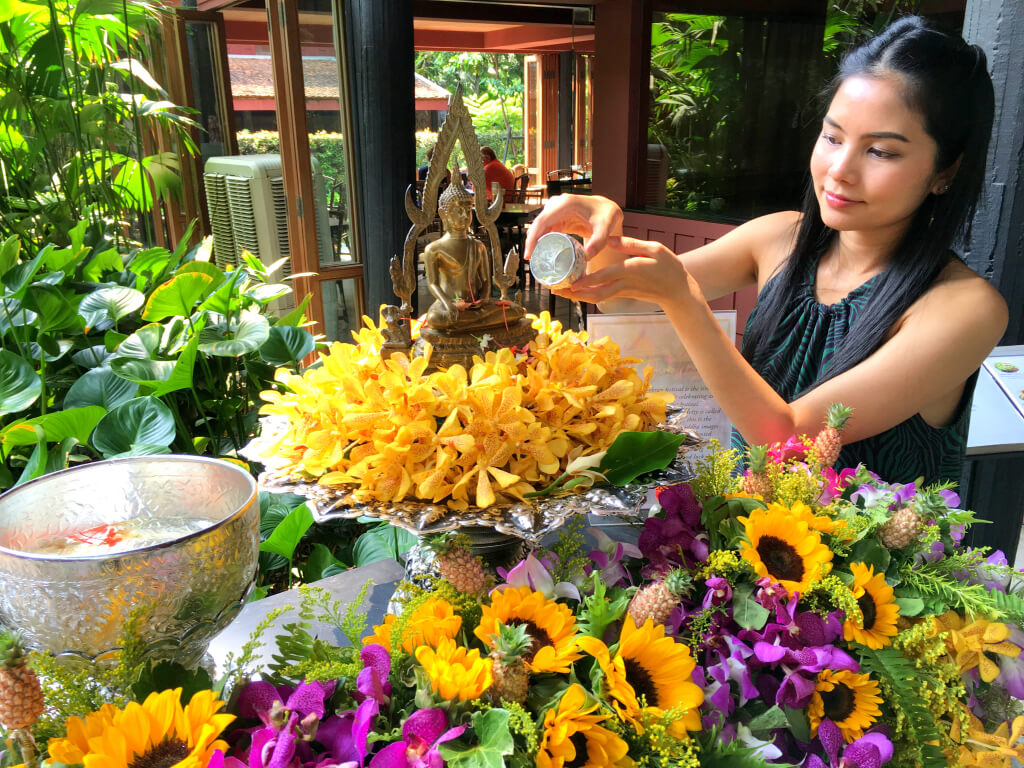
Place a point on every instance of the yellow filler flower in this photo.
(649, 671)
(878, 608)
(573, 737)
(159, 731)
(848, 699)
(784, 549)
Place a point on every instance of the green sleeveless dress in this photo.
(804, 341)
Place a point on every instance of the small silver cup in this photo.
(557, 260)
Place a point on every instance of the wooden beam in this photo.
(484, 11)
(286, 53)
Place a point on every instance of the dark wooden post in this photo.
(379, 39)
(994, 484)
(566, 65)
(997, 233)
(622, 66)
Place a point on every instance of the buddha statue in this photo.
(459, 271)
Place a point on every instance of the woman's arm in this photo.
(748, 254)
(921, 368)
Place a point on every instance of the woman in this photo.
(861, 300)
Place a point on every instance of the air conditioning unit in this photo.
(248, 210)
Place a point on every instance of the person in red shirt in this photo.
(494, 170)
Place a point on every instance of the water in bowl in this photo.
(122, 536)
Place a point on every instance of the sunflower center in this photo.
(839, 702)
(579, 743)
(642, 683)
(538, 637)
(867, 608)
(782, 560)
(163, 755)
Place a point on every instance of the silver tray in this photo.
(530, 521)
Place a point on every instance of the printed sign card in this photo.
(652, 338)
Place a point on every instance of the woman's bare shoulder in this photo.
(771, 238)
(960, 292)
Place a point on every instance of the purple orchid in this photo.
(422, 733)
(537, 574)
(676, 539)
(869, 751)
(608, 556)
(219, 760)
(732, 667)
(289, 723)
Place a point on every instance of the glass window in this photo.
(341, 309)
(733, 112)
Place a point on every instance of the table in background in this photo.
(993, 480)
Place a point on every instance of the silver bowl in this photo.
(184, 589)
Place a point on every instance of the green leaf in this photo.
(910, 606)
(36, 466)
(178, 296)
(9, 251)
(492, 731)
(20, 385)
(212, 271)
(225, 299)
(104, 307)
(287, 345)
(91, 357)
(746, 611)
(385, 542)
(142, 421)
(636, 453)
(289, 533)
(870, 551)
(799, 724)
(167, 675)
(77, 423)
(319, 560)
(252, 332)
(57, 312)
(297, 316)
(102, 263)
(768, 720)
(144, 344)
(18, 278)
(101, 387)
(57, 456)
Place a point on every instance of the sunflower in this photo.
(157, 733)
(848, 699)
(649, 671)
(573, 738)
(551, 625)
(801, 512)
(455, 673)
(784, 549)
(878, 608)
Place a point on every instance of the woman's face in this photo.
(874, 163)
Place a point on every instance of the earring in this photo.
(945, 189)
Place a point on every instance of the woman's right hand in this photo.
(592, 217)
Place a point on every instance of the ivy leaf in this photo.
(910, 606)
(768, 720)
(289, 533)
(636, 453)
(491, 728)
(746, 611)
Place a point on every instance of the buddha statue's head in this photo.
(455, 205)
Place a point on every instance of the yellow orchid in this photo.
(969, 642)
(390, 430)
(987, 750)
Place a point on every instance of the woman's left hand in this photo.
(649, 271)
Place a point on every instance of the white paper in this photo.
(652, 338)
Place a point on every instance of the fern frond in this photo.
(1009, 607)
(899, 679)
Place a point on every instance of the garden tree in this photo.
(492, 84)
(76, 108)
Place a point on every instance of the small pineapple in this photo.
(511, 678)
(458, 566)
(829, 442)
(21, 696)
(901, 529)
(757, 480)
(658, 599)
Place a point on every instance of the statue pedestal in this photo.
(461, 346)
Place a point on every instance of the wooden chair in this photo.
(518, 193)
(562, 180)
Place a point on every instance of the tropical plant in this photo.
(106, 354)
(77, 107)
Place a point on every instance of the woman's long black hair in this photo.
(947, 81)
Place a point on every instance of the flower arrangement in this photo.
(832, 620)
(508, 427)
